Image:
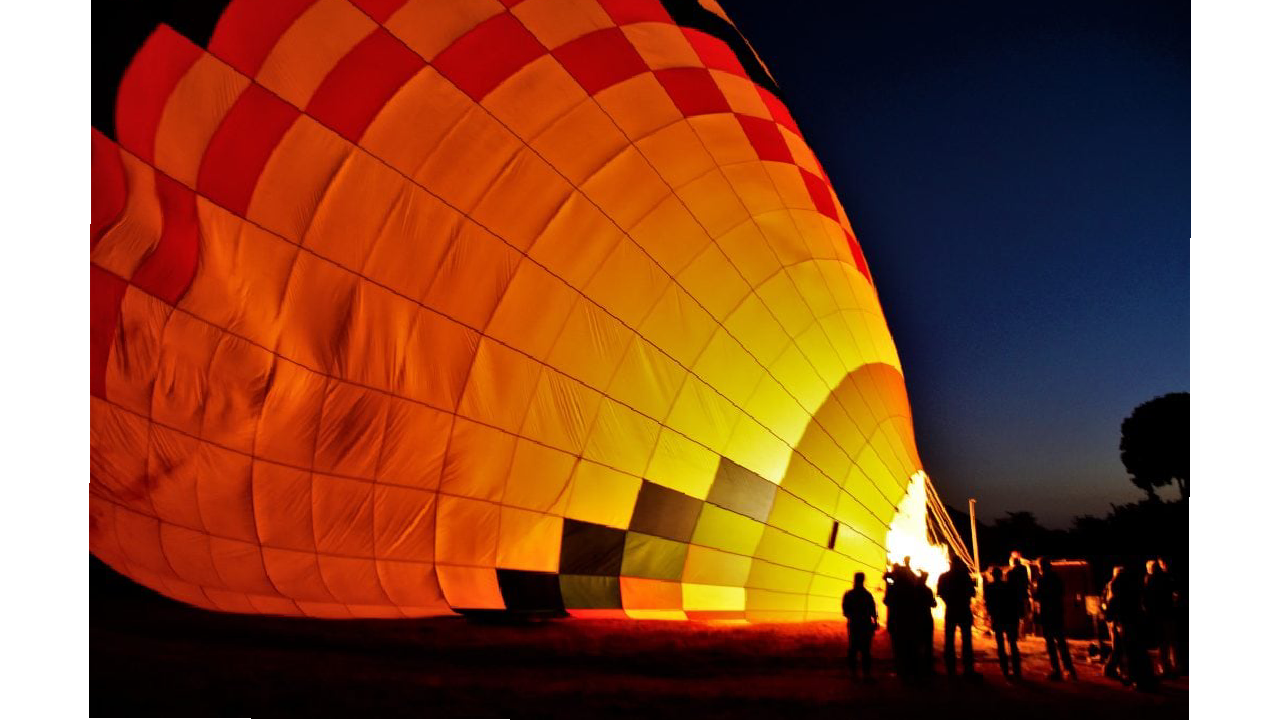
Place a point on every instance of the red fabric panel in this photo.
(488, 54)
(168, 270)
(362, 82)
(145, 88)
(240, 147)
(511, 3)
(715, 53)
(821, 194)
(693, 91)
(107, 182)
(625, 12)
(766, 138)
(106, 291)
(858, 258)
(379, 10)
(779, 111)
(249, 29)
(600, 59)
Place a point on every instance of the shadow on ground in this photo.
(152, 656)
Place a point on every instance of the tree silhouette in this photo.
(1155, 443)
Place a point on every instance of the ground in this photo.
(151, 656)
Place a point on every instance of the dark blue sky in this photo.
(1019, 174)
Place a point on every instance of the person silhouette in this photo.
(1003, 609)
(1017, 580)
(1112, 596)
(897, 603)
(957, 589)
(924, 603)
(1157, 601)
(861, 618)
(1049, 591)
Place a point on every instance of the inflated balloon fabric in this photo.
(407, 307)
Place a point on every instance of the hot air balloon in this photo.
(403, 308)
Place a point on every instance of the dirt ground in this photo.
(150, 656)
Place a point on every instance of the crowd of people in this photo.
(1138, 608)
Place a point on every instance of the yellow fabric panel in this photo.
(342, 510)
(722, 136)
(355, 207)
(533, 311)
(889, 482)
(576, 241)
(813, 288)
(853, 511)
(647, 380)
(186, 349)
(626, 188)
(774, 407)
(725, 530)
(466, 532)
(134, 357)
(472, 588)
(296, 177)
(135, 233)
(768, 600)
(561, 411)
(556, 22)
(241, 276)
(713, 597)
(475, 271)
(282, 506)
(539, 478)
(827, 455)
(824, 586)
(765, 338)
(772, 576)
(296, 574)
(412, 585)
(534, 96)
(639, 105)
(193, 112)
(800, 519)
(541, 190)
(746, 248)
(838, 566)
(661, 45)
(237, 384)
(529, 540)
(591, 345)
(860, 486)
(803, 382)
(676, 153)
(628, 284)
(885, 450)
(711, 200)
(670, 235)
(678, 326)
(706, 566)
(785, 549)
(579, 141)
(621, 438)
(726, 366)
(845, 343)
(703, 415)
(755, 448)
(741, 93)
(714, 282)
(645, 594)
(311, 47)
(680, 464)
(822, 354)
(866, 550)
(602, 495)
(429, 26)
(805, 482)
(782, 237)
(478, 461)
(404, 523)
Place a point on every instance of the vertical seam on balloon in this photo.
(373, 510)
(311, 475)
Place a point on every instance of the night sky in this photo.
(1019, 176)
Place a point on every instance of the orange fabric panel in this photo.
(529, 541)
(643, 594)
(478, 461)
(311, 47)
(282, 507)
(470, 588)
(429, 26)
(466, 533)
(194, 111)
